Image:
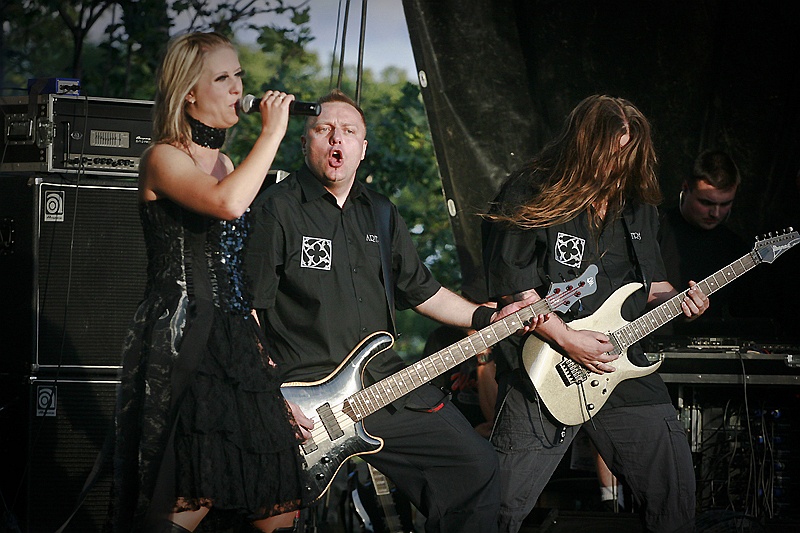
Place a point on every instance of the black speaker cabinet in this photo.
(73, 269)
(51, 432)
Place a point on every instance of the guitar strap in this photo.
(382, 212)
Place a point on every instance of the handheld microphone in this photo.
(249, 104)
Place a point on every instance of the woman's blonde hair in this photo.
(585, 167)
(179, 72)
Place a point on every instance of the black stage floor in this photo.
(543, 520)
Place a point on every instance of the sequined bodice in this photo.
(225, 244)
(186, 251)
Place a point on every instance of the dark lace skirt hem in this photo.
(226, 518)
(236, 444)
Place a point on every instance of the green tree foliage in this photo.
(121, 59)
(34, 44)
(114, 46)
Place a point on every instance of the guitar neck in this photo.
(379, 481)
(389, 389)
(655, 318)
(385, 498)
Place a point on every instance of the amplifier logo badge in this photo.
(54, 206)
(46, 396)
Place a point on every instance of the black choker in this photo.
(205, 135)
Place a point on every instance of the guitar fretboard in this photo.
(655, 318)
(384, 392)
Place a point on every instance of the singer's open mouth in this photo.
(336, 158)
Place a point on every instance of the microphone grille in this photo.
(247, 103)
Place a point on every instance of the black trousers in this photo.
(645, 446)
(432, 453)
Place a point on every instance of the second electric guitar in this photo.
(572, 393)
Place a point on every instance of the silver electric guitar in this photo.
(339, 403)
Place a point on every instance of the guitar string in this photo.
(653, 316)
(558, 299)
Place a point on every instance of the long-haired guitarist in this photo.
(587, 198)
(316, 260)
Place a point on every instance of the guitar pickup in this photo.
(329, 421)
(309, 446)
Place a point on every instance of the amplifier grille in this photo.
(92, 272)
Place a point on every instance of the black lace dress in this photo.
(200, 418)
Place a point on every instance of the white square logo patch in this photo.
(569, 250)
(317, 253)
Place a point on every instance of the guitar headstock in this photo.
(562, 296)
(772, 245)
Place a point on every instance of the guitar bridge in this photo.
(571, 372)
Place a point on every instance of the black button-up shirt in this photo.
(517, 260)
(316, 273)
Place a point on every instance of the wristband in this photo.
(482, 317)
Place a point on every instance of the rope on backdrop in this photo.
(343, 30)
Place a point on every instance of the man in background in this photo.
(695, 241)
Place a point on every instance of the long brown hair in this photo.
(179, 72)
(584, 167)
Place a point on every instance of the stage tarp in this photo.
(498, 77)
